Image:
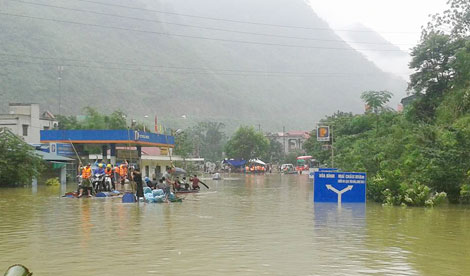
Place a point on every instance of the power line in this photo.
(200, 27)
(189, 70)
(230, 20)
(62, 59)
(194, 37)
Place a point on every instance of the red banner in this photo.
(156, 124)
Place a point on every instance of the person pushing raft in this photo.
(195, 182)
(86, 183)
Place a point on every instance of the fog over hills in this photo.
(148, 63)
(391, 59)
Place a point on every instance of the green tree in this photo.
(275, 153)
(376, 100)
(183, 145)
(208, 138)
(457, 18)
(68, 122)
(246, 143)
(95, 120)
(18, 162)
(437, 59)
(116, 120)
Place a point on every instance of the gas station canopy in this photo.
(116, 137)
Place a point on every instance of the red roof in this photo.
(151, 151)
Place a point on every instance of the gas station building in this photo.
(121, 145)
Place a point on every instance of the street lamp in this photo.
(60, 69)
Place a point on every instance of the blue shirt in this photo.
(99, 171)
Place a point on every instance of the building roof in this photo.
(301, 133)
(124, 137)
(47, 115)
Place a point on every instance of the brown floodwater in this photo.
(253, 225)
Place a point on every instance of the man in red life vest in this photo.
(195, 182)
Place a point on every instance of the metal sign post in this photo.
(325, 134)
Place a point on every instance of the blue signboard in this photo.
(106, 137)
(339, 187)
(65, 150)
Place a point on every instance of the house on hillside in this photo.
(26, 121)
(407, 101)
(292, 141)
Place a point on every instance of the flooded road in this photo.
(256, 225)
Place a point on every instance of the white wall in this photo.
(25, 114)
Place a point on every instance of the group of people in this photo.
(120, 173)
(167, 181)
(124, 173)
(255, 169)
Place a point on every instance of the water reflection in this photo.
(85, 223)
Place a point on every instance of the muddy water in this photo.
(253, 225)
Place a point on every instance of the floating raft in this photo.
(100, 194)
(187, 192)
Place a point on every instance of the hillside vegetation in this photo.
(419, 156)
(134, 62)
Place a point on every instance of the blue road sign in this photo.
(341, 187)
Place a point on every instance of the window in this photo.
(25, 130)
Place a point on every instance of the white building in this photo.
(26, 121)
(292, 141)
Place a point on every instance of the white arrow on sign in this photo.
(339, 193)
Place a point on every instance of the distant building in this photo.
(407, 101)
(26, 121)
(292, 141)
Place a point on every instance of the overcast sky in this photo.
(384, 16)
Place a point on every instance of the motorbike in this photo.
(97, 182)
(108, 183)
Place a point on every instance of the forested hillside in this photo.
(129, 55)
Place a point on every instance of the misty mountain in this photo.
(390, 59)
(178, 60)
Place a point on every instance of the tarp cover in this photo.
(235, 163)
(257, 161)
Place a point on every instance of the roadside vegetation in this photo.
(18, 162)
(422, 155)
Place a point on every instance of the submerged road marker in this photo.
(340, 187)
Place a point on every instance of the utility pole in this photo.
(284, 138)
(60, 69)
(259, 127)
(332, 148)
